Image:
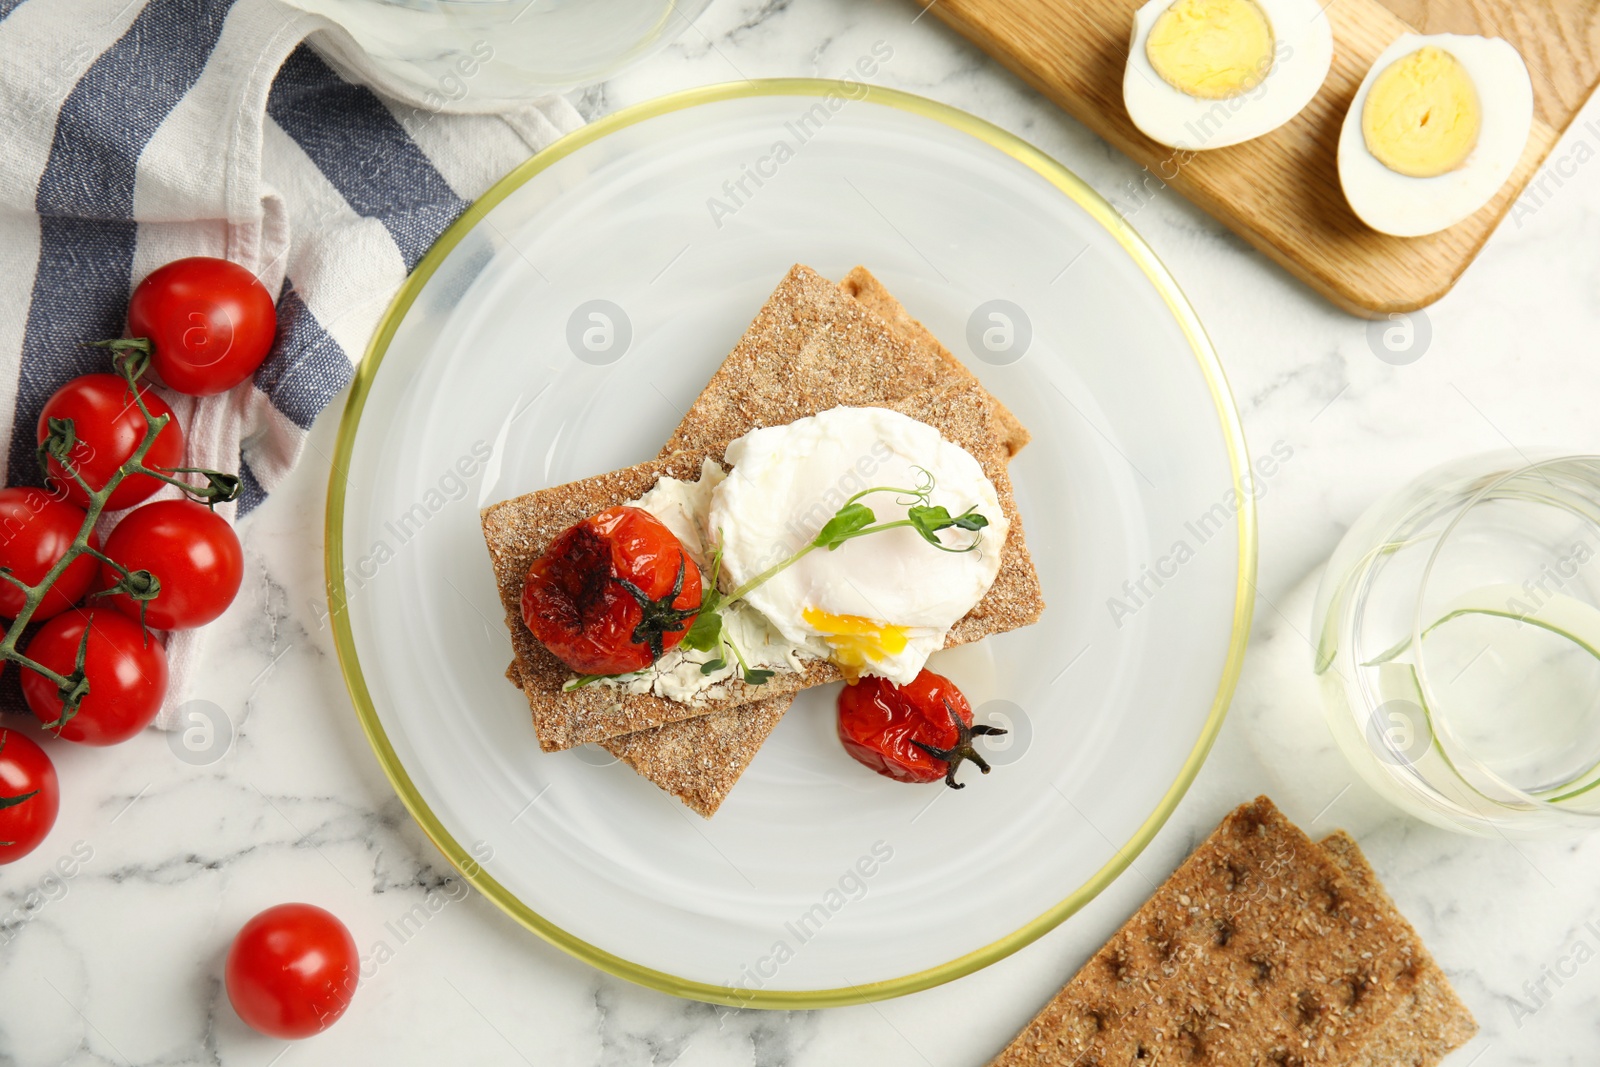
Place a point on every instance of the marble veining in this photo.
(112, 935)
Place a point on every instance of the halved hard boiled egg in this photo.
(1212, 73)
(880, 604)
(1436, 128)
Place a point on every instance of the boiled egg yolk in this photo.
(856, 642)
(1422, 114)
(1212, 49)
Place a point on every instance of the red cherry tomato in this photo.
(292, 971)
(919, 732)
(209, 322)
(35, 532)
(613, 593)
(30, 796)
(126, 668)
(191, 549)
(110, 428)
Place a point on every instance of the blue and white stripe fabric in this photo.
(136, 132)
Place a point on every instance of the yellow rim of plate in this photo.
(1075, 189)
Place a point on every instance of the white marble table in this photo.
(121, 962)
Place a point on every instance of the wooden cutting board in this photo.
(1281, 192)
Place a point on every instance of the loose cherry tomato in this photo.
(209, 323)
(192, 551)
(292, 971)
(36, 530)
(110, 429)
(613, 593)
(126, 668)
(919, 732)
(30, 796)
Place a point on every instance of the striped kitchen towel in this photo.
(135, 132)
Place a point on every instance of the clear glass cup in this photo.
(1458, 645)
(478, 55)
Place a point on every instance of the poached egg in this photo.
(879, 604)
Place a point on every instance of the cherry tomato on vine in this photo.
(918, 732)
(36, 530)
(30, 796)
(292, 971)
(110, 428)
(209, 323)
(192, 551)
(612, 593)
(126, 668)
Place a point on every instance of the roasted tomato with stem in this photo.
(36, 530)
(918, 732)
(30, 796)
(613, 593)
(107, 429)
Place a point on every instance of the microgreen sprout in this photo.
(578, 681)
(854, 519)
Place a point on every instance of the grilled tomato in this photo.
(918, 732)
(613, 593)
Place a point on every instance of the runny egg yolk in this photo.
(1422, 114)
(1212, 49)
(854, 641)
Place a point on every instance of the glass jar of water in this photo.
(1458, 644)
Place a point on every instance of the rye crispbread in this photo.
(815, 345)
(698, 760)
(866, 290)
(1434, 1022)
(1260, 951)
(517, 531)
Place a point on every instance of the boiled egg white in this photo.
(879, 604)
(1436, 128)
(1212, 73)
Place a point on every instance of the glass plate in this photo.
(818, 882)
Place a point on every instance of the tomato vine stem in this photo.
(143, 586)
